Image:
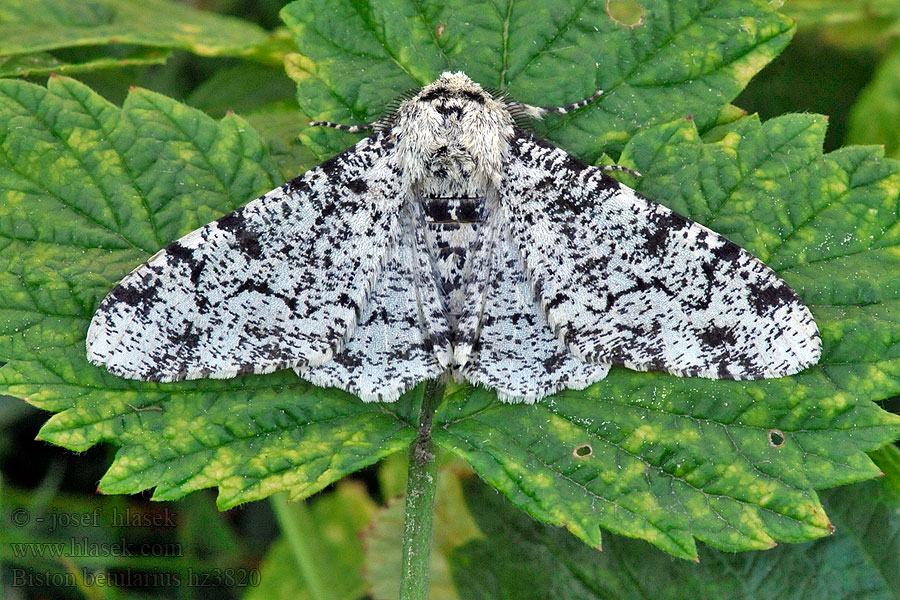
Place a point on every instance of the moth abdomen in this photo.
(454, 210)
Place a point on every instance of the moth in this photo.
(453, 241)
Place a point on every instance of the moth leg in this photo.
(538, 112)
(607, 168)
(342, 127)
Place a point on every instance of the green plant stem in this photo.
(297, 526)
(421, 484)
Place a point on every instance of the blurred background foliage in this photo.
(843, 62)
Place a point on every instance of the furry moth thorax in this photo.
(453, 132)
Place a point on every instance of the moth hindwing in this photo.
(451, 240)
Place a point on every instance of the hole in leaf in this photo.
(582, 451)
(439, 30)
(628, 13)
(776, 438)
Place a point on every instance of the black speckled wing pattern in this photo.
(334, 274)
(278, 283)
(513, 349)
(403, 336)
(624, 280)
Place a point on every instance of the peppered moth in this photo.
(452, 241)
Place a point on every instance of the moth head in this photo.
(453, 128)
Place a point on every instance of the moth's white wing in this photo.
(403, 336)
(275, 284)
(515, 351)
(625, 280)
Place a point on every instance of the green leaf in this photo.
(688, 58)
(279, 126)
(336, 520)
(888, 460)
(847, 23)
(270, 109)
(839, 11)
(523, 559)
(797, 82)
(90, 190)
(227, 89)
(875, 118)
(31, 26)
(44, 63)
